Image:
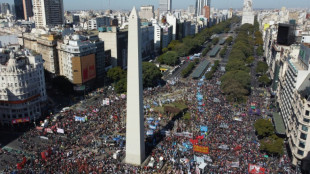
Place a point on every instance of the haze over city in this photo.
(176, 4)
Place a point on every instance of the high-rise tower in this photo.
(135, 146)
(165, 6)
(48, 12)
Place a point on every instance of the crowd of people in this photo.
(96, 143)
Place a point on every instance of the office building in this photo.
(22, 89)
(207, 12)
(5, 8)
(147, 12)
(48, 13)
(23, 9)
(165, 6)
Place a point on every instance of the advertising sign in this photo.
(21, 120)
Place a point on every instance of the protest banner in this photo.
(201, 149)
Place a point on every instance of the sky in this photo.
(176, 4)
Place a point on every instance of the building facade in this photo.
(22, 89)
(77, 59)
(48, 13)
(165, 6)
(147, 12)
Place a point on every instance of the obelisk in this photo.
(135, 147)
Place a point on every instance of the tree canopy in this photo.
(169, 58)
(264, 128)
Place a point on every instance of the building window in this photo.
(306, 120)
(307, 113)
(300, 152)
(304, 128)
(303, 136)
(302, 144)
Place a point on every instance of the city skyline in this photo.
(182, 4)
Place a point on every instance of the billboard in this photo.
(83, 68)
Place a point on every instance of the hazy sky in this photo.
(128, 4)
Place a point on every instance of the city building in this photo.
(248, 14)
(47, 47)
(207, 12)
(165, 6)
(5, 8)
(94, 24)
(27, 8)
(199, 6)
(77, 60)
(295, 104)
(22, 89)
(19, 9)
(147, 12)
(48, 13)
(115, 40)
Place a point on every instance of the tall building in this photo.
(22, 89)
(199, 7)
(147, 12)
(23, 9)
(165, 6)
(248, 14)
(19, 9)
(207, 12)
(48, 13)
(135, 145)
(208, 3)
(27, 6)
(5, 8)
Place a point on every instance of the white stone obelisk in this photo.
(135, 147)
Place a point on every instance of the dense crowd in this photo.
(97, 145)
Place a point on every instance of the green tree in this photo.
(264, 79)
(262, 67)
(250, 60)
(169, 58)
(236, 65)
(121, 85)
(229, 40)
(260, 50)
(151, 74)
(215, 40)
(272, 145)
(223, 52)
(234, 90)
(116, 73)
(185, 72)
(264, 128)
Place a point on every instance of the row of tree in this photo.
(186, 71)
(269, 141)
(236, 80)
(151, 76)
(191, 44)
(210, 74)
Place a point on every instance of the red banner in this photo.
(201, 149)
(255, 169)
